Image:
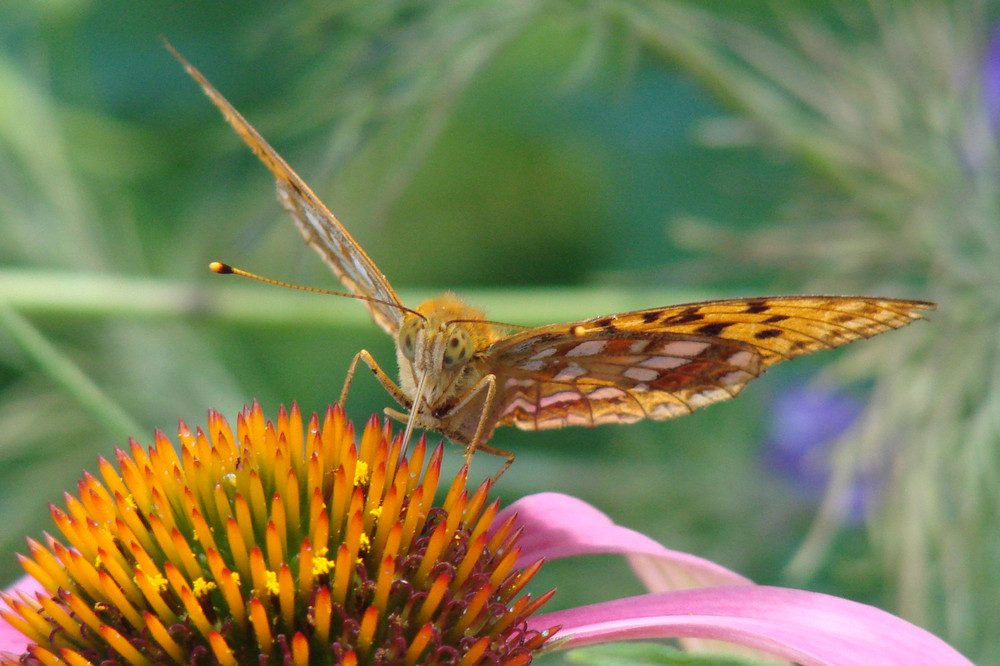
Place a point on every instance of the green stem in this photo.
(68, 374)
(87, 295)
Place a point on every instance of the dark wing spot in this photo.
(774, 319)
(767, 333)
(607, 322)
(650, 317)
(757, 307)
(713, 329)
(687, 317)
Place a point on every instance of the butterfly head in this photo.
(441, 339)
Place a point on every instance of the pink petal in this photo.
(12, 640)
(557, 525)
(806, 627)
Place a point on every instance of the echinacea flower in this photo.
(281, 545)
(292, 545)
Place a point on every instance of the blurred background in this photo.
(548, 161)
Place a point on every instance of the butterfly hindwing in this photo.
(616, 377)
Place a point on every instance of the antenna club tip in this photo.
(220, 268)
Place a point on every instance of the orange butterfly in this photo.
(463, 376)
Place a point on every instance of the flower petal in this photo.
(806, 627)
(12, 640)
(556, 525)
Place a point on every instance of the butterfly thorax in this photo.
(443, 344)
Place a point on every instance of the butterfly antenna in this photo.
(502, 324)
(226, 269)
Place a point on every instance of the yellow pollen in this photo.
(272, 582)
(361, 473)
(157, 580)
(322, 565)
(201, 587)
(236, 577)
(131, 502)
(364, 543)
(376, 512)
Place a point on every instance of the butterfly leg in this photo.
(450, 424)
(492, 450)
(489, 384)
(390, 386)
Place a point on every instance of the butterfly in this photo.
(463, 376)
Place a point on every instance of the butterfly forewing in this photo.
(784, 327)
(320, 227)
(349, 262)
(666, 362)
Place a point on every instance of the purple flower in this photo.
(400, 579)
(806, 422)
(991, 80)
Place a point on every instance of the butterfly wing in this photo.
(356, 271)
(666, 362)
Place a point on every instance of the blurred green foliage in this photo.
(548, 160)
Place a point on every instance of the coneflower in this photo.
(281, 544)
(285, 544)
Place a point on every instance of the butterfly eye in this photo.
(458, 350)
(408, 337)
